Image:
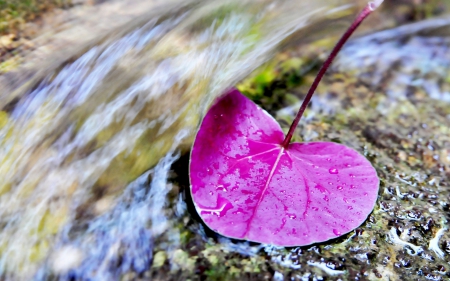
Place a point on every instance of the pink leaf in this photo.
(246, 185)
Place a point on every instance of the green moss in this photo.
(9, 65)
(14, 13)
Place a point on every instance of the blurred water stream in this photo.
(77, 147)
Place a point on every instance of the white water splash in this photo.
(411, 249)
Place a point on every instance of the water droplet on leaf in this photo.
(333, 171)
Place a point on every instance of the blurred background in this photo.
(100, 101)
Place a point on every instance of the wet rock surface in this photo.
(384, 98)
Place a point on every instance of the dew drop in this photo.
(326, 198)
(221, 188)
(210, 172)
(292, 216)
(350, 207)
(352, 175)
(365, 194)
(333, 171)
(211, 193)
(340, 187)
(328, 159)
(336, 232)
(352, 186)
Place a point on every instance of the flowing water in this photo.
(86, 151)
(89, 152)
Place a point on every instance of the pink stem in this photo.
(364, 13)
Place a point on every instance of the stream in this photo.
(94, 155)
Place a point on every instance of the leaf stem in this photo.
(362, 15)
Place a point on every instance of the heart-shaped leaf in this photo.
(246, 185)
(249, 182)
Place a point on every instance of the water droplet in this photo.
(292, 216)
(328, 159)
(315, 208)
(336, 232)
(330, 183)
(346, 200)
(365, 193)
(326, 198)
(283, 191)
(352, 175)
(333, 171)
(350, 207)
(210, 172)
(352, 186)
(221, 115)
(283, 220)
(220, 210)
(348, 165)
(358, 213)
(211, 193)
(221, 188)
(340, 187)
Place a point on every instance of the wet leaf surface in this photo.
(246, 185)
